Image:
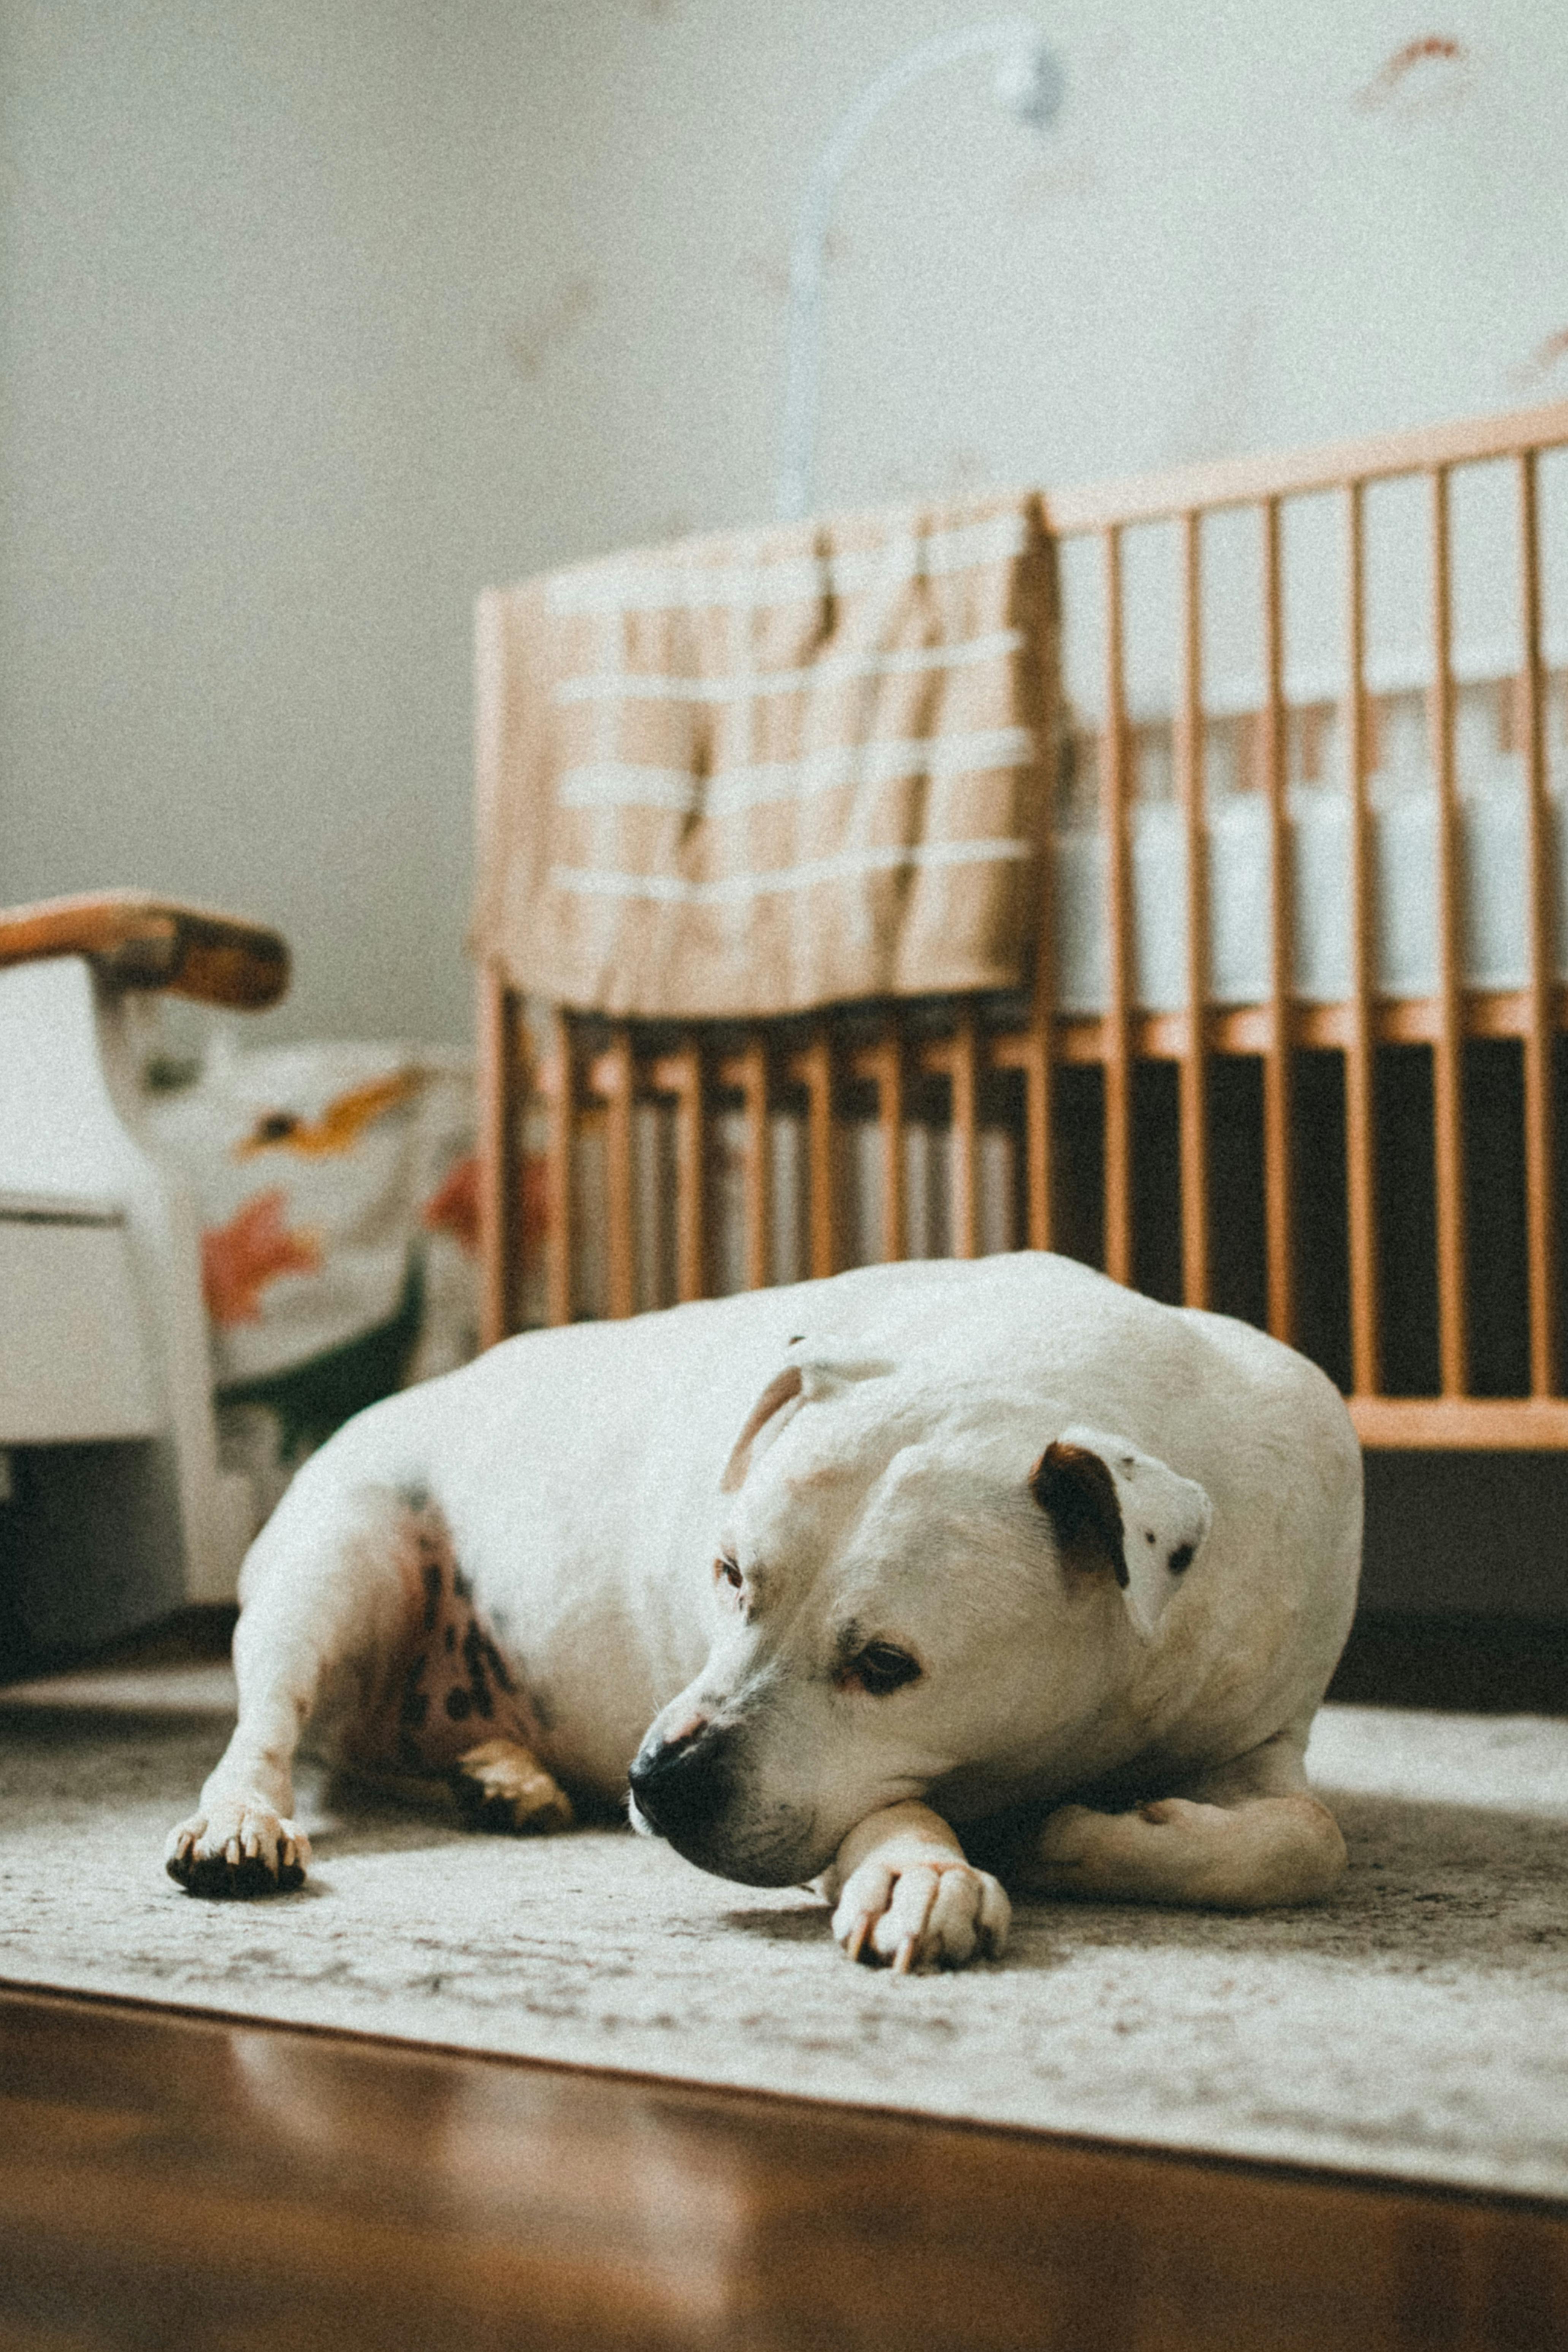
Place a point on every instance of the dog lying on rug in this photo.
(1000, 1548)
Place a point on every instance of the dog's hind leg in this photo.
(1245, 1837)
(502, 1785)
(325, 1604)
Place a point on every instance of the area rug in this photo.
(1416, 2025)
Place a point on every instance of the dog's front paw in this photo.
(238, 1847)
(500, 1785)
(921, 1914)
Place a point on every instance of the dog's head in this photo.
(913, 1584)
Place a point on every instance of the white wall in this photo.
(315, 315)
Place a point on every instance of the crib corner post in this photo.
(500, 1078)
(1541, 1214)
(560, 1091)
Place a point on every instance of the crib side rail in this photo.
(981, 1072)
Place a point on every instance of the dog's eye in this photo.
(879, 1668)
(727, 1570)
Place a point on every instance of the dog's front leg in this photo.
(241, 1839)
(1245, 1837)
(905, 1895)
(323, 1590)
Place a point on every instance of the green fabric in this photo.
(313, 1399)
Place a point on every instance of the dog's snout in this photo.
(681, 1784)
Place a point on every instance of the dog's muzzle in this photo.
(681, 1785)
(689, 1790)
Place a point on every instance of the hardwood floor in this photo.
(170, 2180)
(167, 2180)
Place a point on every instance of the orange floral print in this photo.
(454, 1207)
(239, 1259)
(339, 1125)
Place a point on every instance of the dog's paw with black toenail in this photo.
(928, 1913)
(237, 1849)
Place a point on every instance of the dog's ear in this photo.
(1111, 1505)
(828, 1371)
(779, 1404)
(809, 1379)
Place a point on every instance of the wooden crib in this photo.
(1378, 1179)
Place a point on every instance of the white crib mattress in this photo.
(1493, 867)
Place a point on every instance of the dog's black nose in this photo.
(681, 1785)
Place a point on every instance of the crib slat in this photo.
(888, 1072)
(690, 1175)
(822, 1191)
(1194, 1082)
(1039, 1076)
(1038, 1061)
(1453, 1334)
(620, 1240)
(1541, 1226)
(759, 1187)
(1366, 1337)
(1279, 1206)
(502, 1084)
(561, 1237)
(1118, 1016)
(965, 1069)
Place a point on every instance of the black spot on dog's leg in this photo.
(1181, 1560)
(432, 1593)
(474, 1659)
(495, 1663)
(416, 1705)
(459, 1703)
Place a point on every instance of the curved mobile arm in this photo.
(1029, 81)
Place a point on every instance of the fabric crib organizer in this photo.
(1290, 1040)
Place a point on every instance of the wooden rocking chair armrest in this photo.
(136, 940)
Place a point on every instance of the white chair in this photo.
(113, 1511)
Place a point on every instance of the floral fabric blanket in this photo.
(335, 1187)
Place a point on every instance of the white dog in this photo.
(991, 1536)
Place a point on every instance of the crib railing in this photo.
(1380, 1179)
